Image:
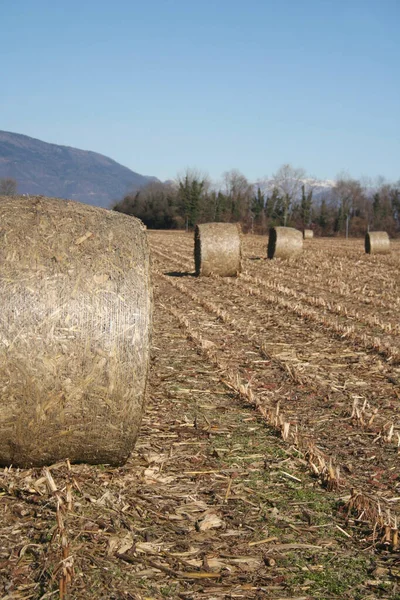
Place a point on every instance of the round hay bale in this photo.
(308, 234)
(217, 249)
(75, 330)
(284, 242)
(377, 242)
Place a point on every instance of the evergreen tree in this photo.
(275, 208)
(323, 216)
(395, 204)
(190, 192)
(257, 205)
(221, 210)
(376, 204)
(339, 220)
(305, 207)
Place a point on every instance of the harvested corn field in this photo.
(267, 463)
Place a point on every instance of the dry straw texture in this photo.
(217, 249)
(284, 242)
(308, 234)
(377, 242)
(74, 332)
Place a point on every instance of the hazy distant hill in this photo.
(60, 171)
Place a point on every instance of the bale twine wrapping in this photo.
(284, 242)
(75, 331)
(377, 242)
(217, 249)
(308, 234)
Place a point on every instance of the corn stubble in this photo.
(268, 457)
(342, 314)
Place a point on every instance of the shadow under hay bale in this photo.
(308, 234)
(217, 249)
(377, 242)
(75, 332)
(284, 242)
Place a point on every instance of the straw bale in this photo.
(217, 249)
(284, 242)
(308, 234)
(74, 332)
(377, 242)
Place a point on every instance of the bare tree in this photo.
(239, 192)
(288, 181)
(351, 200)
(8, 186)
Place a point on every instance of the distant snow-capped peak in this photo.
(318, 186)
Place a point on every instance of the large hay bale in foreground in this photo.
(284, 242)
(308, 234)
(377, 242)
(75, 327)
(217, 249)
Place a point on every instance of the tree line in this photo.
(288, 198)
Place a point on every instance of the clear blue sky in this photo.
(161, 85)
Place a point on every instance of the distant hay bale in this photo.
(308, 234)
(377, 242)
(217, 249)
(284, 242)
(75, 328)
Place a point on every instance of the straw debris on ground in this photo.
(267, 463)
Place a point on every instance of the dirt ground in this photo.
(268, 460)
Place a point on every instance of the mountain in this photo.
(320, 187)
(63, 172)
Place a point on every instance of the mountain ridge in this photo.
(54, 170)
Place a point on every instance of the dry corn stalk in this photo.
(65, 568)
(326, 471)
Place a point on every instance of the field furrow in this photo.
(365, 334)
(335, 390)
(304, 405)
(332, 294)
